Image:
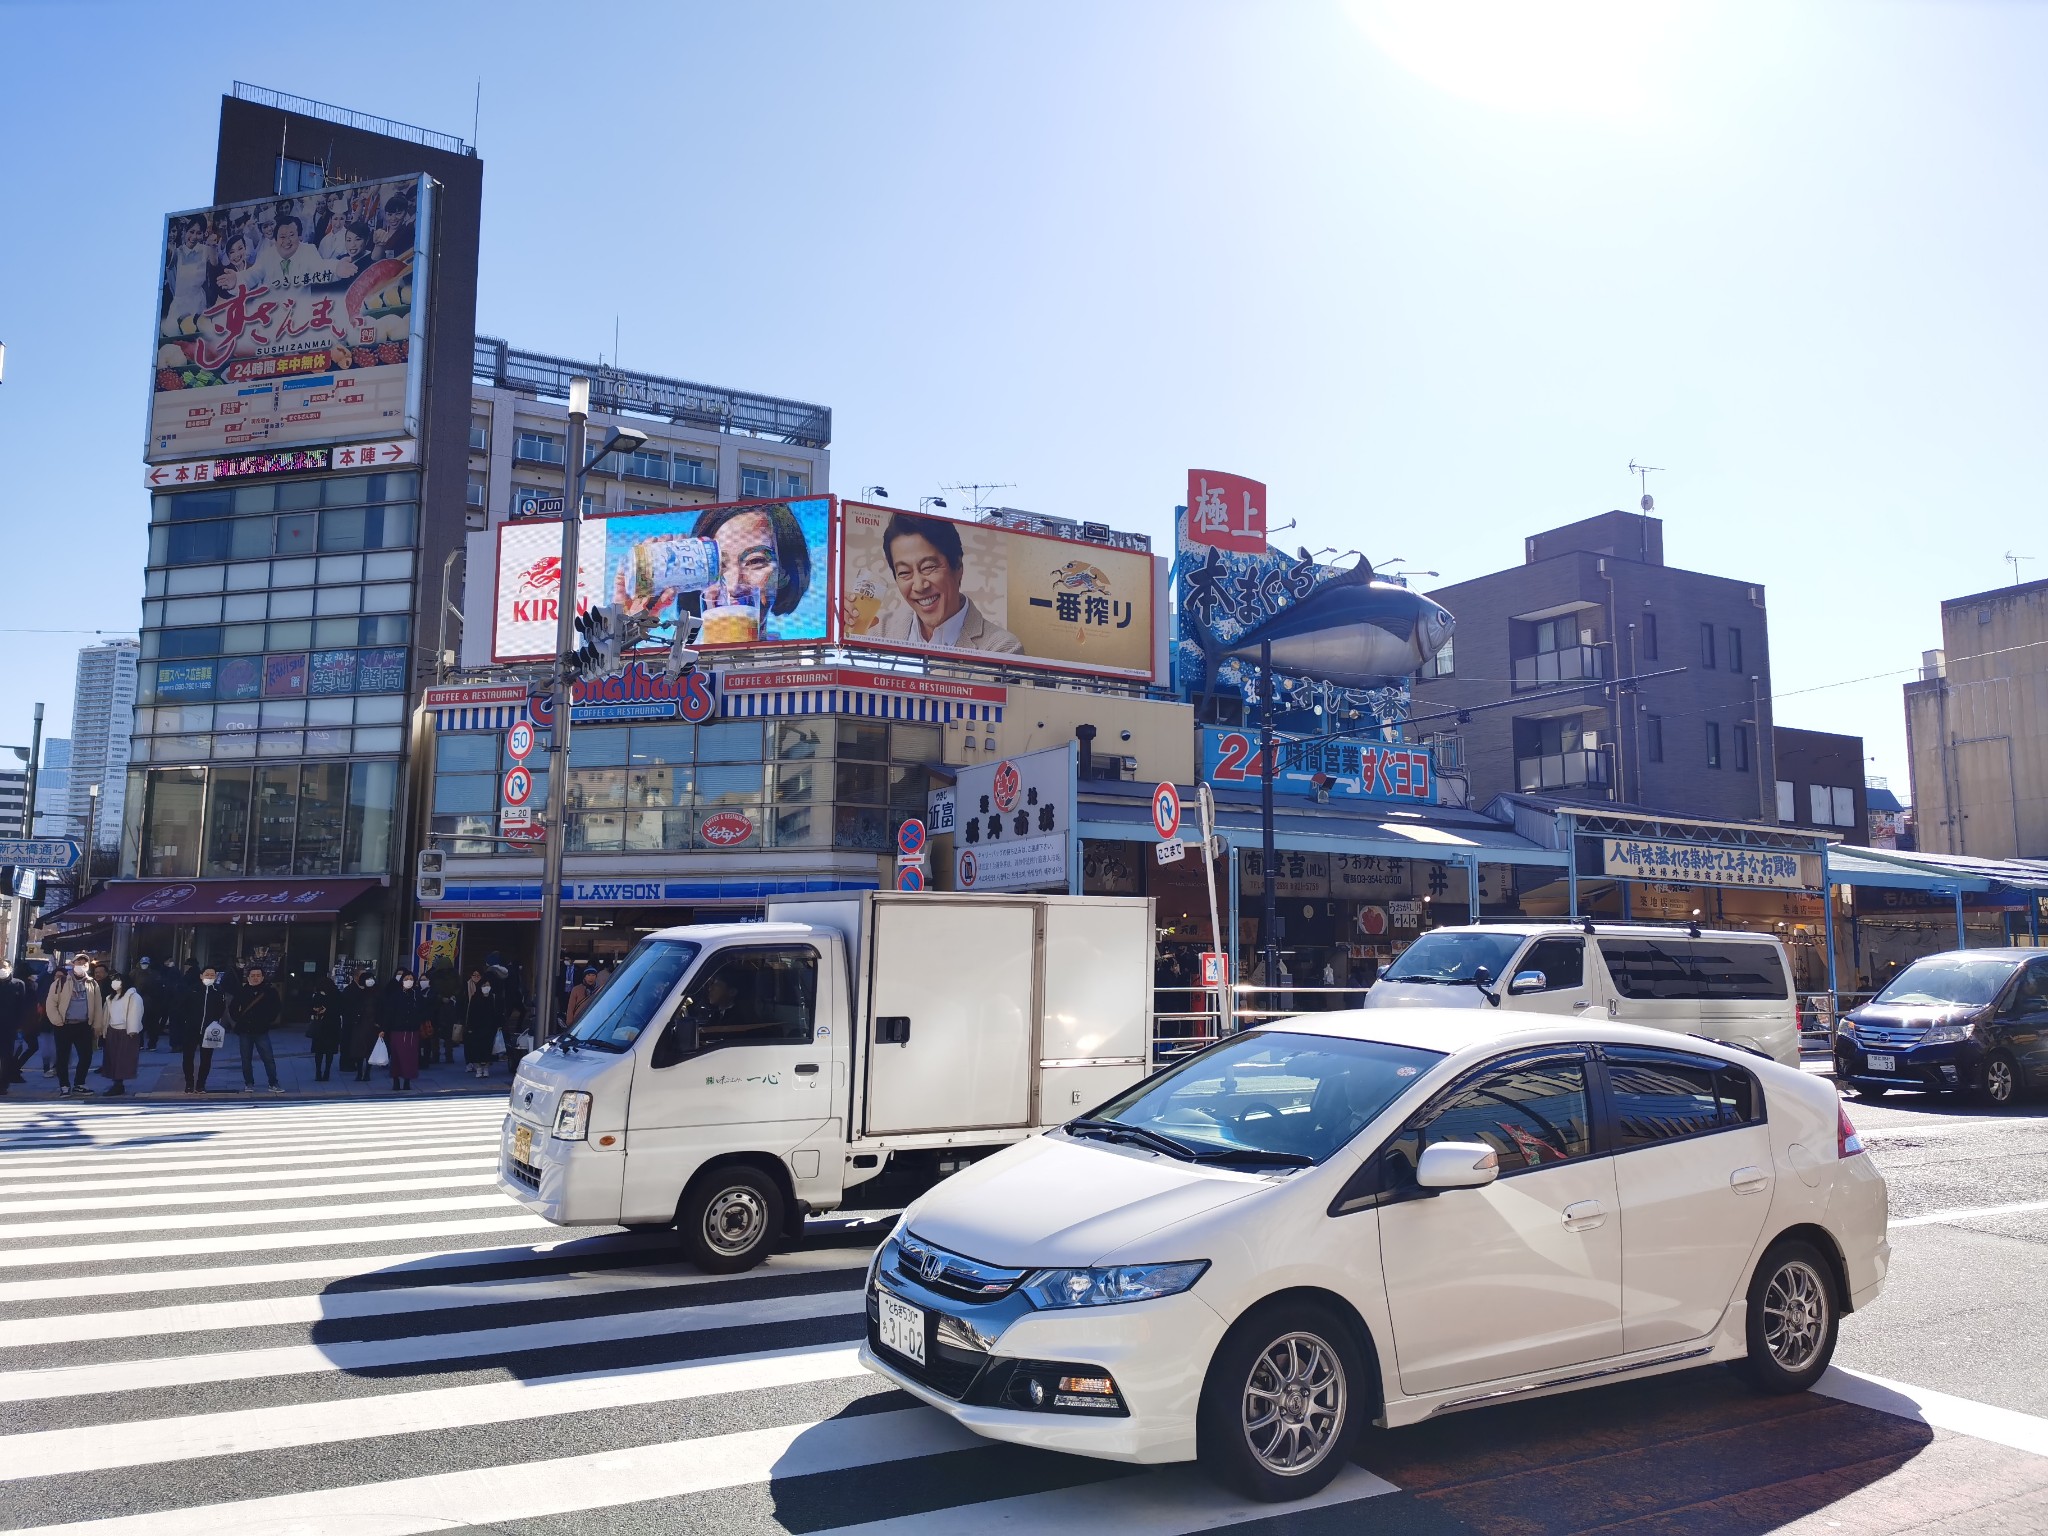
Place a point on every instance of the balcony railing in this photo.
(540, 450)
(1546, 669)
(697, 472)
(1562, 770)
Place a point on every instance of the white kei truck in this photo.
(731, 1079)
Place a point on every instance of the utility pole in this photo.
(1269, 919)
(35, 762)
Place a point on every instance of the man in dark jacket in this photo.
(258, 1011)
(17, 1040)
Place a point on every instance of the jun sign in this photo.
(1015, 823)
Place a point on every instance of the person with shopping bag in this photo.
(364, 1005)
(127, 1013)
(480, 1026)
(209, 1030)
(399, 1014)
(77, 1011)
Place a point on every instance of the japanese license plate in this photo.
(902, 1327)
(1883, 1063)
(522, 1143)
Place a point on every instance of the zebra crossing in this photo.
(310, 1317)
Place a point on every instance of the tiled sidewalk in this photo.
(161, 1075)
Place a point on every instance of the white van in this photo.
(1717, 984)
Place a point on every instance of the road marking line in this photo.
(1980, 1421)
(157, 1198)
(1969, 1213)
(57, 1128)
(1948, 1127)
(18, 1231)
(368, 1354)
(211, 1158)
(241, 1432)
(532, 1490)
(456, 1162)
(98, 1254)
(1162, 1503)
(325, 1307)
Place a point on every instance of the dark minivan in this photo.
(1971, 1020)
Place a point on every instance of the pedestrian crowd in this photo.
(79, 1009)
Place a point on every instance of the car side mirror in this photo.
(1457, 1165)
(1527, 981)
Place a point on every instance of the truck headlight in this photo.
(572, 1116)
(1054, 1288)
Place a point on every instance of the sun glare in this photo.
(1585, 58)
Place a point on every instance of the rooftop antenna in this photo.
(476, 115)
(979, 490)
(2014, 560)
(1643, 472)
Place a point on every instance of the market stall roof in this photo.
(1114, 810)
(1944, 872)
(220, 901)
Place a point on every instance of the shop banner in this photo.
(1708, 864)
(1356, 770)
(1015, 823)
(918, 583)
(434, 946)
(768, 564)
(291, 321)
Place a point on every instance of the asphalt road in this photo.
(271, 1317)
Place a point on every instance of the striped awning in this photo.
(478, 717)
(878, 703)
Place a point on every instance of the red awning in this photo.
(220, 901)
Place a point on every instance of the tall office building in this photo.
(13, 803)
(102, 715)
(53, 790)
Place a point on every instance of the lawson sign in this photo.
(1356, 770)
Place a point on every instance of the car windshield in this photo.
(1947, 979)
(1450, 958)
(1267, 1096)
(625, 1004)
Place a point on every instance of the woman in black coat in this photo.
(400, 1011)
(323, 1029)
(480, 1026)
(359, 1029)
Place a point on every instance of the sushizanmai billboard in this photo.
(290, 321)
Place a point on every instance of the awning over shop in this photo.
(221, 901)
(1943, 872)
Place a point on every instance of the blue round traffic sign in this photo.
(909, 877)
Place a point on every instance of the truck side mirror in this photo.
(1527, 981)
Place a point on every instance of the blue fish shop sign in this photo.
(1632, 858)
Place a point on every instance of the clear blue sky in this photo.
(1435, 272)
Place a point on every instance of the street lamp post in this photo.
(28, 829)
(92, 837)
(555, 832)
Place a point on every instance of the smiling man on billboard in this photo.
(925, 556)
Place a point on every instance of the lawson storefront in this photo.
(697, 801)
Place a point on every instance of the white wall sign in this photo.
(1014, 822)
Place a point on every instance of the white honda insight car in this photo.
(1380, 1216)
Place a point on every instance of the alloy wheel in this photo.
(1999, 1083)
(1293, 1403)
(1795, 1315)
(734, 1220)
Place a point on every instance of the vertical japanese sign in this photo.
(290, 321)
(1015, 823)
(1226, 512)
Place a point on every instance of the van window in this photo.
(626, 1003)
(746, 997)
(1562, 962)
(1694, 970)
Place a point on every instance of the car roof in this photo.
(1600, 929)
(712, 932)
(1478, 1032)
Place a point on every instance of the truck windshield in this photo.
(1947, 979)
(625, 1005)
(1453, 958)
(1266, 1096)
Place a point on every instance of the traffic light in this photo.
(599, 654)
(681, 659)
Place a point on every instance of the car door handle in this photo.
(805, 1068)
(1576, 1007)
(1747, 1181)
(1584, 1215)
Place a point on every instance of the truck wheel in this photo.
(729, 1219)
(1280, 1408)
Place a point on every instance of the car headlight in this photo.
(1947, 1034)
(1053, 1288)
(572, 1116)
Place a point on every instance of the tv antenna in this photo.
(1643, 472)
(978, 490)
(2014, 560)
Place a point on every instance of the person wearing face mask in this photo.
(256, 1013)
(324, 1025)
(125, 1010)
(17, 1034)
(365, 1004)
(208, 1031)
(398, 1019)
(481, 1024)
(77, 1011)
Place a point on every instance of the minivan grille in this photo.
(1883, 1038)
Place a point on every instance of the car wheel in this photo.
(1281, 1404)
(729, 1219)
(2000, 1085)
(1793, 1319)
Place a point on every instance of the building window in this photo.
(756, 482)
(1653, 738)
(295, 176)
(1706, 645)
(1787, 808)
(699, 472)
(647, 466)
(1742, 749)
(1713, 741)
(541, 448)
(1442, 663)
(794, 484)
(1734, 650)
(479, 437)
(1845, 805)
(478, 487)
(1649, 636)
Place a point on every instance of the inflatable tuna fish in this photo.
(1354, 630)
